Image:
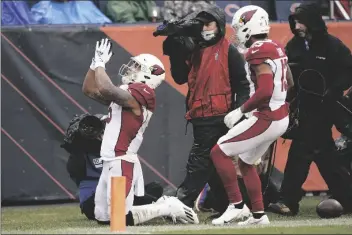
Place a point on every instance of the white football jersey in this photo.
(269, 52)
(124, 130)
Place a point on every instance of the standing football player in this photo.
(131, 106)
(269, 77)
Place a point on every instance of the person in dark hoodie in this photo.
(214, 71)
(322, 70)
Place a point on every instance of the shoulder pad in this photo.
(143, 94)
(263, 50)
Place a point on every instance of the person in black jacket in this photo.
(214, 71)
(322, 69)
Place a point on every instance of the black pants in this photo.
(200, 168)
(87, 207)
(300, 157)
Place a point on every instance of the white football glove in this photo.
(258, 162)
(102, 53)
(233, 117)
(92, 65)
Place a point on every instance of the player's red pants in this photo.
(249, 140)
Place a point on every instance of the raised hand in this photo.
(103, 53)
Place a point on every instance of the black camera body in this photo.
(182, 35)
(83, 131)
(186, 28)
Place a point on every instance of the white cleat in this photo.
(183, 221)
(264, 220)
(231, 214)
(180, 211)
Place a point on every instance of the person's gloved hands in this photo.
(92, 65)
(233, 117)
(258, 162)
(103, 53)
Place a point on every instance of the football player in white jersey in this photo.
(269, 77)
(131, 106)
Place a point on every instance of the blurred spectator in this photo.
(30, 3)
(175, 10)
(16, 13)
(101, 4)
(282, 9)
(68, 12)
(131, 11)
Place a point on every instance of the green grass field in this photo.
(66, 218)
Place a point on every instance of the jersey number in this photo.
(283, 75)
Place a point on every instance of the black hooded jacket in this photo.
(219, 15)
(324, 53)
(322, 66)
(180, 69)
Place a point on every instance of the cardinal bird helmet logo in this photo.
(247, 16)
(156, 70)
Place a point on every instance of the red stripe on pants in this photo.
(127, 171)
(259, 127)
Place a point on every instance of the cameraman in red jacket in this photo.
(214, 71)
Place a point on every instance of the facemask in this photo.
(208, 35)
